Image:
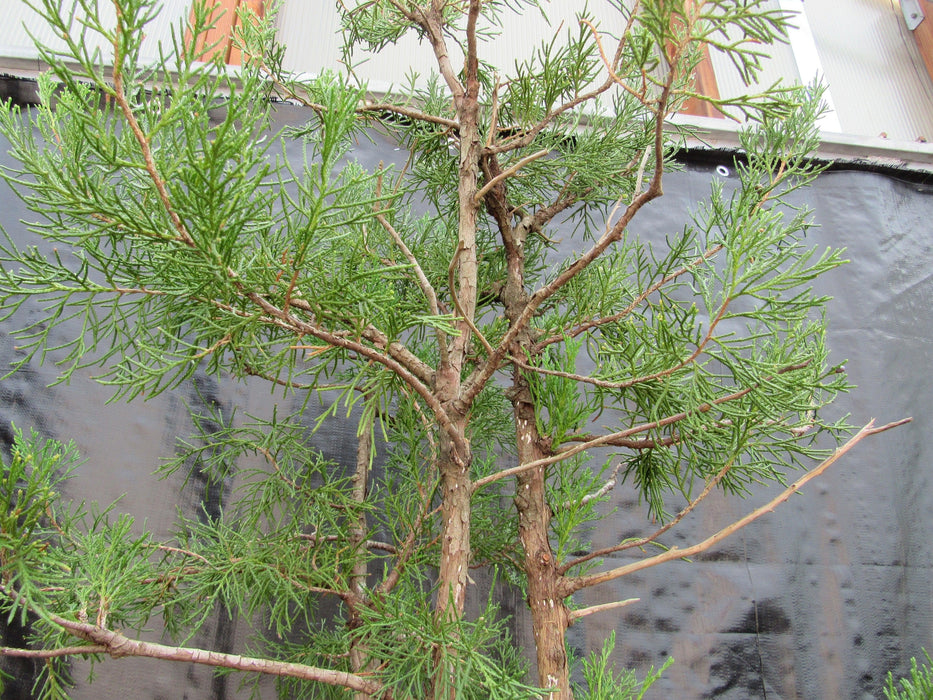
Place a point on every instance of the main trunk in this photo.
(549, 616)
(455, 486)
(455, 529)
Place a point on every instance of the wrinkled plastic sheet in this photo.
(819, 599)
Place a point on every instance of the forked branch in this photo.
(573, 584)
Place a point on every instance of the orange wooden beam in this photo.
(923, 35)
(704, 80)
(258, 8)
(704, 83)
(219, 39)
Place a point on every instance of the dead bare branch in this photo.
(573, 584)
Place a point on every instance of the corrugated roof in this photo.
(875, 73)
(874, 69)
(18, 55)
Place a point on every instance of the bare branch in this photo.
(409, 112)
(583, 612)
(642, 541)
(508, 172)
(423, 281)
(571, 585)
(119, 645)
(53, 653)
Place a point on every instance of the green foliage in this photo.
(428, 301)
(918, 687)
(604, 683)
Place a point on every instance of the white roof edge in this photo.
(713, 134)
(706, 133)
(27, 66)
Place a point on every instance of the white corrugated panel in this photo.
(311, 32)
(874, 69)
(868, 57)
(18, 55)
(779, 66)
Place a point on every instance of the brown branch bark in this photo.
(119, 645)
(359, 654)
(593, 609)
(573, 584)
(53, 653)
(613, 438)
(595, 323)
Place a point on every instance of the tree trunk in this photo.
(454, 471)
(550, 618)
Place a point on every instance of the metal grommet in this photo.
(722, 170)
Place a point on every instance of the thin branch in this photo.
(583, 612)
(640, 96)
(605, 384)
(528, 136)
(253, 372)
(607, 486)
(642, 541)
(183, 552)
(432, 23)
(612, 438)
(369, 544)
(409, 112)
(582, 328)
(119, 645)
(423, 281)
(53, 653)
(508, 172)
(571, 585)
(120, 98)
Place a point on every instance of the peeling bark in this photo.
(550, 618)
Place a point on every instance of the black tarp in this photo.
(817, 600)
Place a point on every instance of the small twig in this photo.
(409, 112)
(120, 96)
(184, 552)
(609, 484)
(641, 173)
(508, 172)
(642, 541)
(583, 612)
(275, 466)
(53, 653)
(207, 351)
(595, 323)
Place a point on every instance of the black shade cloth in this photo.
(817, 600)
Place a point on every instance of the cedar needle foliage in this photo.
(512, 387)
